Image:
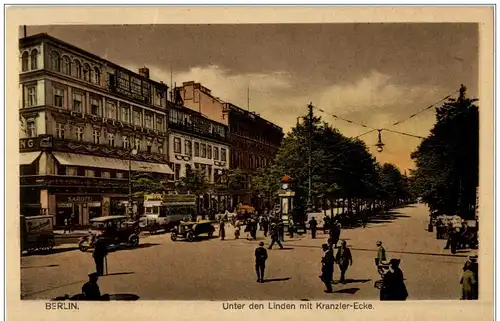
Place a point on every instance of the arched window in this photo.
(34, 58)
(77, 72)
(97, 75)
(86, 72)
(25, 61)
(66, 67)
(55, 61)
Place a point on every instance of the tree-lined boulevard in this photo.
(211, 269)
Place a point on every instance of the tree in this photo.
(145, 184)
(341, 167)
(447, 161)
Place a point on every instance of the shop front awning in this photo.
(28, 158)
(69, 159)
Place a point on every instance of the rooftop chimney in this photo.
(144, 72)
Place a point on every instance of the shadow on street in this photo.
(53, 251)
(39, 266)
(348, 291)
(128, 248)
(377, 219)
(118, 273)
(348, 281)
(276, 280)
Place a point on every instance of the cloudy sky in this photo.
(374, 74)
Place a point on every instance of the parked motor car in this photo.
(114, 230)
(190, 230)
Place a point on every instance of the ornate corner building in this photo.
(81, 117)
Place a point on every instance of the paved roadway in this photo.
(212, 269)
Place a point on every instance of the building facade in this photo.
(196, 142)
(254, 141)
(86, 123)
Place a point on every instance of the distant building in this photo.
(81, 116)
(197, 142)
(254, 140)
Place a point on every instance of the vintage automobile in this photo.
(115, 230)
(37, 233)
(163, 212)
(190, 230)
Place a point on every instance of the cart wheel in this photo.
(134, 240)
(190, 237)
(50, 244)
(173, 236)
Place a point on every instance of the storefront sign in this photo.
(78, 198)
(30, 144)
(179, 198)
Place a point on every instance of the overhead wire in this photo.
(371, 129)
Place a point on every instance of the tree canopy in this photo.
(341, 167)
(447, 161)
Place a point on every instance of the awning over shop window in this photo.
(28, 158)
(69, 159)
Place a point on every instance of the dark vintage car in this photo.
(190, 230)
(115, 230)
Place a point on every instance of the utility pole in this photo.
(310, 132)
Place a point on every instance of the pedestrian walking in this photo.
(343, 259)
(393, 286)
(281, 230)
(335, 233)
(253, 231)
(265, 226)
(222, 230)
(66, 225)
(313, 224)
(260, 262)
(381, 256)
(100, 253)
(327, 264)
(71, 222)
(274, 236)
(237, 229)
(291, 228)
(470, 281)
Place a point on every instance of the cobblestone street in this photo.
(211, 269)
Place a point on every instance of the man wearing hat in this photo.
(100, 253)
(393, 286)
(380, 254)
(260, 261)
(90, 290)
(327, 263)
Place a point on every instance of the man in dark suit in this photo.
(327, 263)
(260, 262)
(313, 225)
(100, 253)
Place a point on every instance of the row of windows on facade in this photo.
(240, 160)
(200, 150)
(204, 125)
(110, 111)
(71, 68)
(126, 82)
(79, 135)
(205, 169)
(253, 135)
